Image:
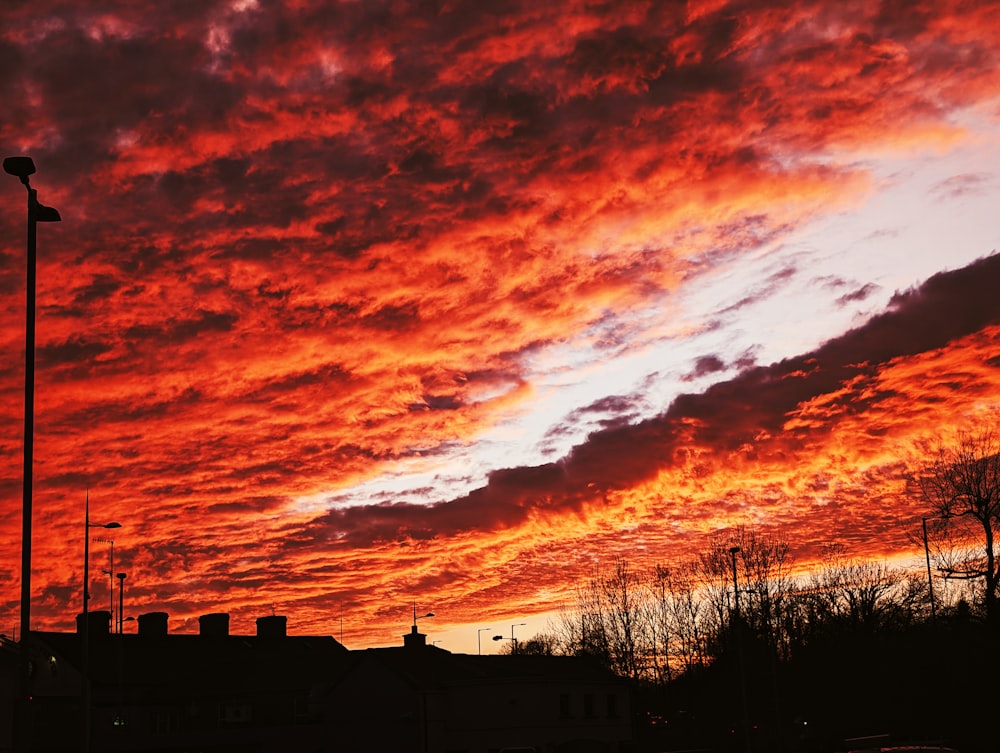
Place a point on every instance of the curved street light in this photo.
(513, 640)
(420, 617)
(21, 167)
(479, 638)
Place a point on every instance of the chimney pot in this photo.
(215, 625)
(98, 623)
(273, 626)
(153, 624)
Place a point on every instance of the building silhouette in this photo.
(214, 691)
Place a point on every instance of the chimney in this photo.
(153, 624)
(98, 623)
(214, 625)
(273, 626)
(413, 639)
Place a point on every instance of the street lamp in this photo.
(85, 627)
(930, 579)
(513, 640)
(121, 601)
(479, 638)
(733, 551)
(110, 572)
(420, 617)
(21, 168)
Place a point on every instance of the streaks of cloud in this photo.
(845, 418)
(307, 246)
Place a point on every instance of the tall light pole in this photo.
(22, 168)
(930, 579)
(121, 601)
(85, 627)
(738, 628)
(110, 572)
(420, 617)
(513, 640)
(479, 638)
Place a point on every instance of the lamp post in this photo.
(479, 638)
(415, 617)
(121, 601)
(738, 629)
(416, 639)
(110, 572)
(930, 579)
(120, 720)
(85, 627)
(513, 640)
(22, 168)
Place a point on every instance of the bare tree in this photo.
(625, 625)
(763, 576)
(676, 612)
(962, 483)
(540, 644)
(606, 621)
(860, 595)
(765, 563)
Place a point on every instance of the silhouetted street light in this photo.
(420, 617)
(930, 579)
(513, 640)
(121, 600)
(479, 638)
(85, 627)
(21, 168)
(737, 627)
(110, 572)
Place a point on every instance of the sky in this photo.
(361, 308)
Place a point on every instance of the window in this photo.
(234, 714)
(612, 706)
(165, 722)
(565, 709)
(588, 706)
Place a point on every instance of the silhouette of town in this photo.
(860, 657)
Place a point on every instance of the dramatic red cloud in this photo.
(306, 243)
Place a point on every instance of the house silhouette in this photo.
(214, 691)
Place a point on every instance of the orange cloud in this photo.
(308, 247)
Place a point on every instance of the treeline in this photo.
(658, 623)
(731, 650)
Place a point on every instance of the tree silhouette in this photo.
(962, 484)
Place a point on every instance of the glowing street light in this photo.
(22, 168)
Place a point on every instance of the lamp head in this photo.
(21, 167)
(46, 214)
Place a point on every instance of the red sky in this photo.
(356, 304)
